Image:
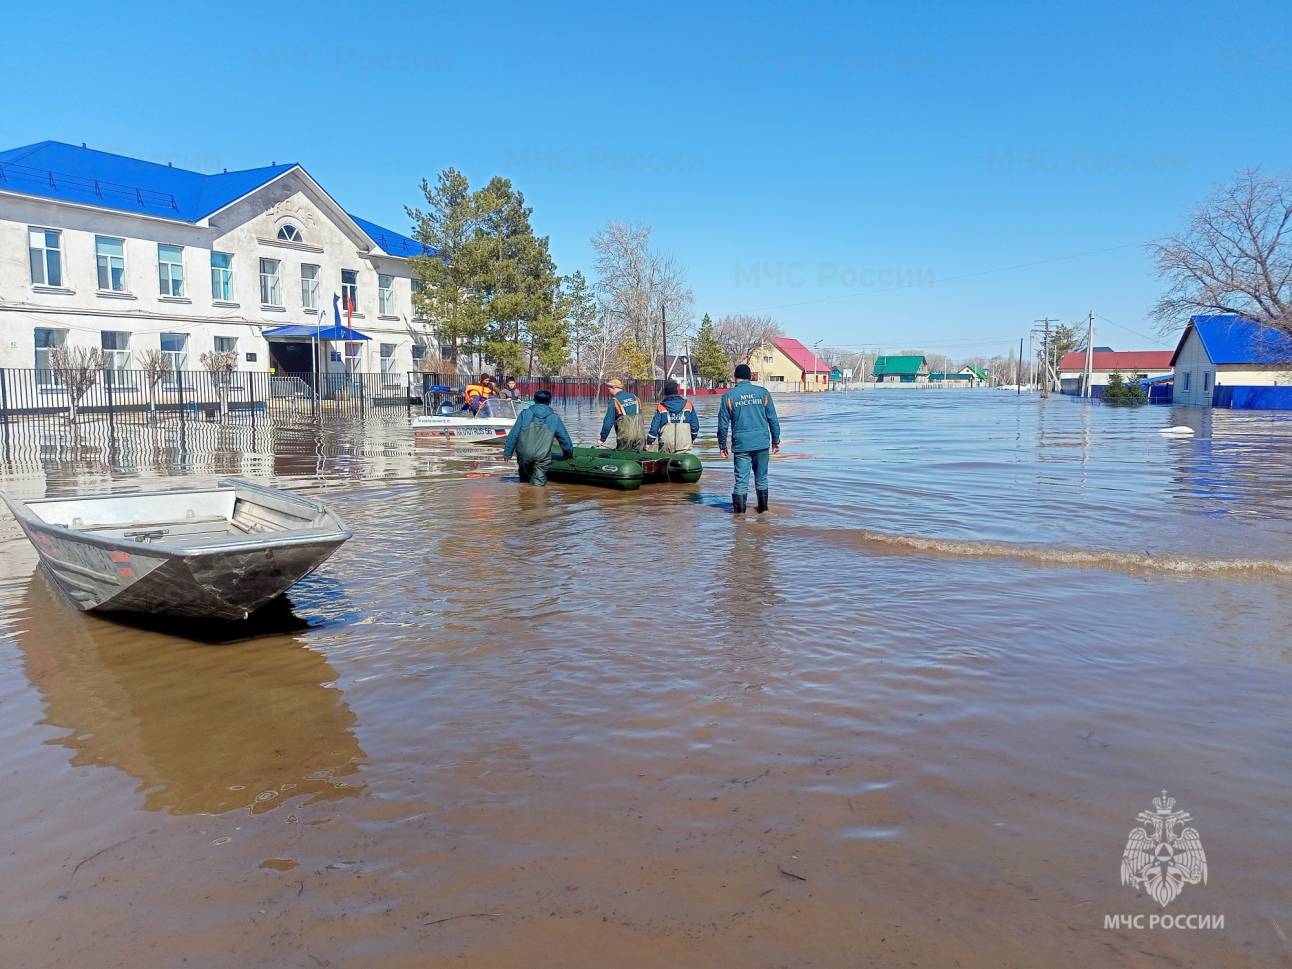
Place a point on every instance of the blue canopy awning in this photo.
(332, 332)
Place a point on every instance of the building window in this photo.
(226, 344)
(116, 352)
(271, 293)
(388, 359)
(309, 286)
(385, 295)
(1206, 380)
(170, 270)
(419, 351)
(111, 256)
(175, 347)
(289, 233)
(222, 277)
(350, 289)
(1184, 381)
(46, 249)
(47, 340)
(352, 355)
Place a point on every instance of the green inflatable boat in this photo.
(625, 470)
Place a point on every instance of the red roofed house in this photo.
(786, 364)
(1131, 364)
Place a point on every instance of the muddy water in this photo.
(906, 719)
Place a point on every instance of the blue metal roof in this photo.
(392, 242)
(333, 331)
(71, 173)
(1233, 340)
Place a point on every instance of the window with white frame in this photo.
(1206, 380)
(47, 340)
(1184, 385)
(174, 346)
(222, 277)
(309, 286)
(350, 289)
(271, 290)
(110, 254)
(388, 359)
(229, 344)
(385, 294)
(289, 233)
(419, 351)
(116, 352)
(170, 270)
(45, 247)
(352, 355)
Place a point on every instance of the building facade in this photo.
(1229, 361)
(785, 364)
(101, 250)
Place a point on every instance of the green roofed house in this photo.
(903, 368)
(966, 376)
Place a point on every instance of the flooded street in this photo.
(906, 718)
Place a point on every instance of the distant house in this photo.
(674, 365)
(902, 368)
(1131, 364)
(966, 376)
(786, 364)
(1229, 361)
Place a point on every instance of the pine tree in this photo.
(707, 357)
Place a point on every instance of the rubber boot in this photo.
(762, 500)
(738, 503)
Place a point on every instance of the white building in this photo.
(1230, 361)
(1131, 364)
(102, 250)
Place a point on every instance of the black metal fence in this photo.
(245, 397)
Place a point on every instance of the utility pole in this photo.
(1090, 354)
(1047, 365)
(1018, 376)
(663, 337)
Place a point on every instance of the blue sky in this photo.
(931, 175)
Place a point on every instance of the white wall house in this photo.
(101, 250)
(1250, 363)
(1131, 364)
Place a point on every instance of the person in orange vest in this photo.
(477, 393)
(675, 424)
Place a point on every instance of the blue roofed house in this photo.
(128, 255)
(1229, 361)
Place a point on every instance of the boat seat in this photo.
(147, 526)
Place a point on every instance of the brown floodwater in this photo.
(906, 719)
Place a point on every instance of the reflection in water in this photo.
(203, 728)
(975, 633)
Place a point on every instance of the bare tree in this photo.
(156, 365)
(77, 369)
(1235, 256)
(221, 364)
(741, 335)
(642, 291)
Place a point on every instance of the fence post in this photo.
(362, 381)
(107, 382)
(4, 409)
(179, 386)
(251, 397)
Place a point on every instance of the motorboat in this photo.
(210, 553)
(449, 423)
